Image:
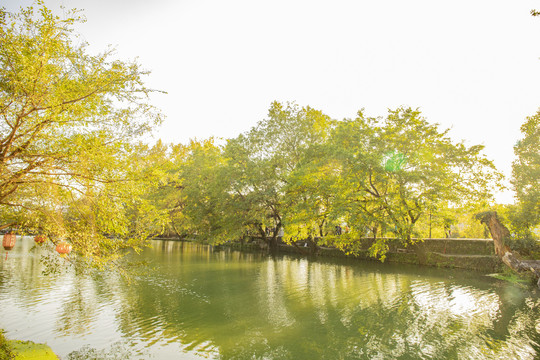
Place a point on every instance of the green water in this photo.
(194, 303)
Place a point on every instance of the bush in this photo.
(526, 246)
(6, 351)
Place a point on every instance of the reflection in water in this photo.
(194, 302)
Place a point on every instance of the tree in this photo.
(526, 175)
(260, 162)
(310, 196)
(395, 169)
(191, 192)
(501, 236)
(206, 198)
(67, 121)
(166, 162)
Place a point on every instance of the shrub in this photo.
(6, 351)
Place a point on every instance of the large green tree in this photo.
(310, 195)
(399, 168)
(205, 194)
(526, 178)
(260, 163)
(67, 122)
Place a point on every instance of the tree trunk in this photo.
(300, 250)
(374, 230)
(500, 233)
(314, 248)
(277, 235)
(262, 232)
(273, 243)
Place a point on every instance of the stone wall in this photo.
(474, 254)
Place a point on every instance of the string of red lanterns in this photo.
(8, 242)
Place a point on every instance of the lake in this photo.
(194, 302)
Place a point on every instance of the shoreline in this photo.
(25, 350)
(452, 253)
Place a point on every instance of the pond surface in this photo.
(194, 303)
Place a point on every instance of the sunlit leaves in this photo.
(67, 122)
(526, 177)
(300, 170)
(261, 165)
(397, 168)
(394, 161)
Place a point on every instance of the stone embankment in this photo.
(474, 254)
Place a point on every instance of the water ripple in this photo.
(281, 307)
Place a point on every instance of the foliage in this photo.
(69, 125)
(525, 216)
(300, 171)
(68, 119)
(467, 227)
(205, 195)
(521, 240)
(260, 164)
(512, 277)
(6, 350)
(311, 196)
(162, 163)
(31, 350)
(450, 221)
(397, 169)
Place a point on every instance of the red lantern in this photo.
(63, 248)
(40, 239)
(9, 242)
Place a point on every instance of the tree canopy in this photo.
(526, 178)
(300, 173)
(68, 124)
(395, 169)
(73, 167)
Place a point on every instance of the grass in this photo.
(30, 350)
(513, 278)
(6, 348)
(21, 350)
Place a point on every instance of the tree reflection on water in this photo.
(230, 305)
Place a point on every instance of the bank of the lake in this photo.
(28, 350)
(24, 350)
(472, 254)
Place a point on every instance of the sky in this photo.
(471, 66)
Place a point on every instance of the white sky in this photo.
(472, 66)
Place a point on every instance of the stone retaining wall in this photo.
(474, 254)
